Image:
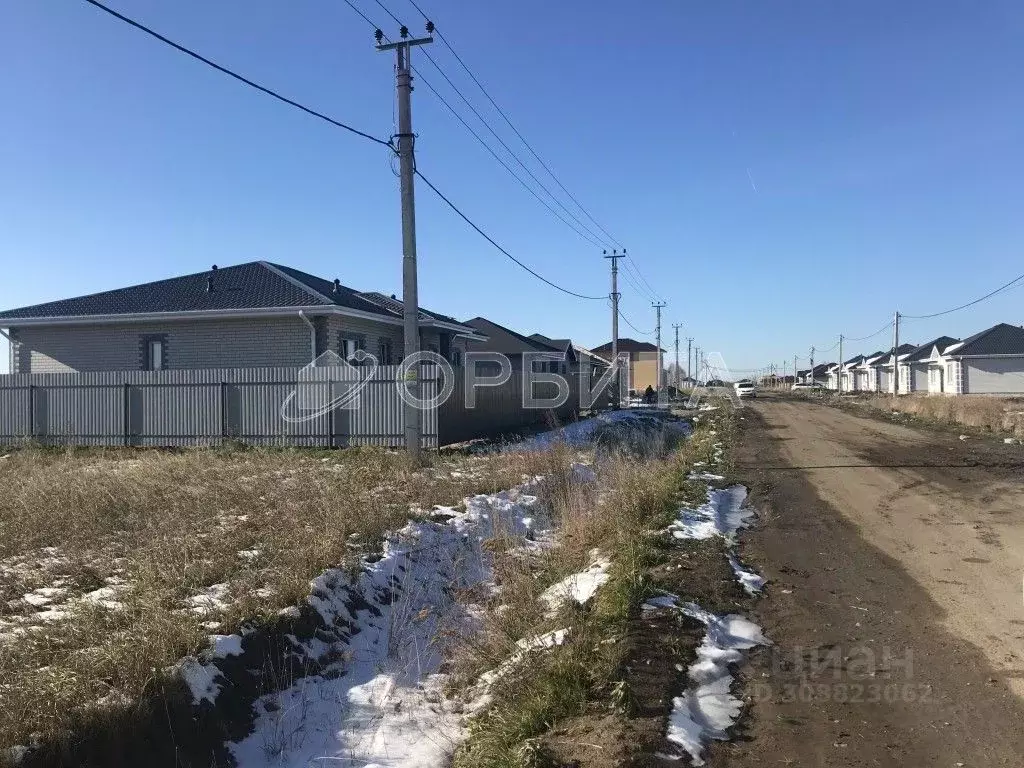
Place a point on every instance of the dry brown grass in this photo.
(1000, 415)
(154, 531)
(633, 497)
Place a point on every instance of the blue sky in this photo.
(781, 172)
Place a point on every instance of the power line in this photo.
(511, 153)
(586, 236)
(636, 271)
(1000, 289)
(637, 330)
(235, 75)
(505, 165)
(884, 328)
(492, 242)
(515, 130)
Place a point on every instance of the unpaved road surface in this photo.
(895, 558)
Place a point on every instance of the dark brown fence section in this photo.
(500, 410)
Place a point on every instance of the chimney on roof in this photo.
(209, 279)
(392, 295)
(337, 285)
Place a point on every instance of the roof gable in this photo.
(1002, 339)
(505, 340)
(925, 351)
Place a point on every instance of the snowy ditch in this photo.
(382, 702)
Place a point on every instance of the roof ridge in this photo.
(277, 270)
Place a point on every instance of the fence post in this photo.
(223, 411)
(127, 414)
(32, 411)
(332, 415)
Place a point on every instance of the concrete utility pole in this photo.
(615, 256)
(410, 291)
(839, 378)
(676, 327)
(696, 364)
(895, 355)
(657, 307)
(812, 365)
(689, 370)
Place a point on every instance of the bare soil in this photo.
(894, 556)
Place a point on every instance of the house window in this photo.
(348, 345)
(154, 352)
(156, 355)
(384, 352)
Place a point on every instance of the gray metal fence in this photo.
(208, 407)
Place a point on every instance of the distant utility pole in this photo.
(615, 256)
(696, 364)
(676, 327)
(410, 299)
(839, 376)
(689, 370)
(657, 307)
(812, 366)
(895, 355)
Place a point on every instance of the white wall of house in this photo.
(993, 375)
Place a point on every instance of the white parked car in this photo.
(745, 389)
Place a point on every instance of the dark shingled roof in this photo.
(255, 285)
(505, 340)
(626, 345)
(924, 351)
(1002, 339)
(901, 350)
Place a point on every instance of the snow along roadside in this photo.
(707, 709)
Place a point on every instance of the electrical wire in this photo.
(235, 75)
(1000, 289)
(625, 319)
(497, 157)
(515, 130)
(592, 237)
(440, 35)
(488, 238)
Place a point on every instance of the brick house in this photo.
(643, 362)
(250, 315)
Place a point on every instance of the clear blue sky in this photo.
(780, 171)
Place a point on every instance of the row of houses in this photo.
(990, 362)
(265, 353)
(264, 315)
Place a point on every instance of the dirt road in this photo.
(895, 558)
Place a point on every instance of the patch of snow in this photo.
(722, 515)
(222, 646)
(213, 598)
(387, 708)
(202, 679)
(751, 581)
(248, 554)
(577, 588)
(104, 596)
(707, 709)
(706, 477)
